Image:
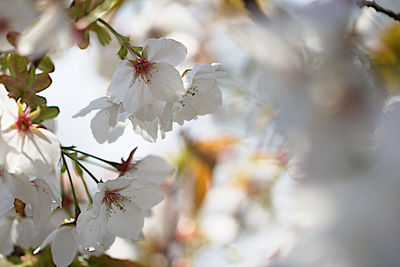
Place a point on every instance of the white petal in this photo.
(42, 208)
(115, 132)
(7, 104)
(6, 199)
(167, 117)
(40, 154)
(114, 185)
(47, 240)
(141, 103)
(91, 224)
(64, 247)
(6, 244)
(126, 223)
(145, 194)
(99, 103)
(164, 50)
(53, 181)
(207, 99)
(122, 81)
(166, 83)
(102, 130)
(23, 232)
(149, 130)
(99, 125)
(151, 168)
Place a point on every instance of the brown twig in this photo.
(379, 8)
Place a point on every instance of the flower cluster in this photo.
(150, 92)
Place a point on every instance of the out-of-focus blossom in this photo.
(15, 15)
(50, 33)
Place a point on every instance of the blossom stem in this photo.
(379, 8)
(121, 39)
(83, 167)
(90, 155)
(77, 209)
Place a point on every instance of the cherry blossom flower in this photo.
(29, 149)
(202, 93)
(145, 84)
(118, 209)
(25, 211)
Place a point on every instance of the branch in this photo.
(379, 8)
(255, 13)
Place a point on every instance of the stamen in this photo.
(24, 123)
(113, 197)
(143, 69)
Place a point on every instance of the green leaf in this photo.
(31, 77)
(122, 52)
(46, 65)
(17, 65)
(13, 86)
(47, 113)
(85, 41)
(102, 34)
(137, 48)
(76, 12)
(3, 62)
(33, 100)
(42, 81)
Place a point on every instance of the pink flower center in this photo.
(113, 197)
(24, 123)
(143, 69)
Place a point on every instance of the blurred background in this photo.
(286, 173)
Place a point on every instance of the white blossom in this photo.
(28, 149)
(15, 15)
(118, 209)
(145, 84)
(202, 93)
(51, 32)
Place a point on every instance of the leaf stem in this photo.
(121, 39)
(77, 209)
(83, 167)
(90, 155)
(379, 8)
